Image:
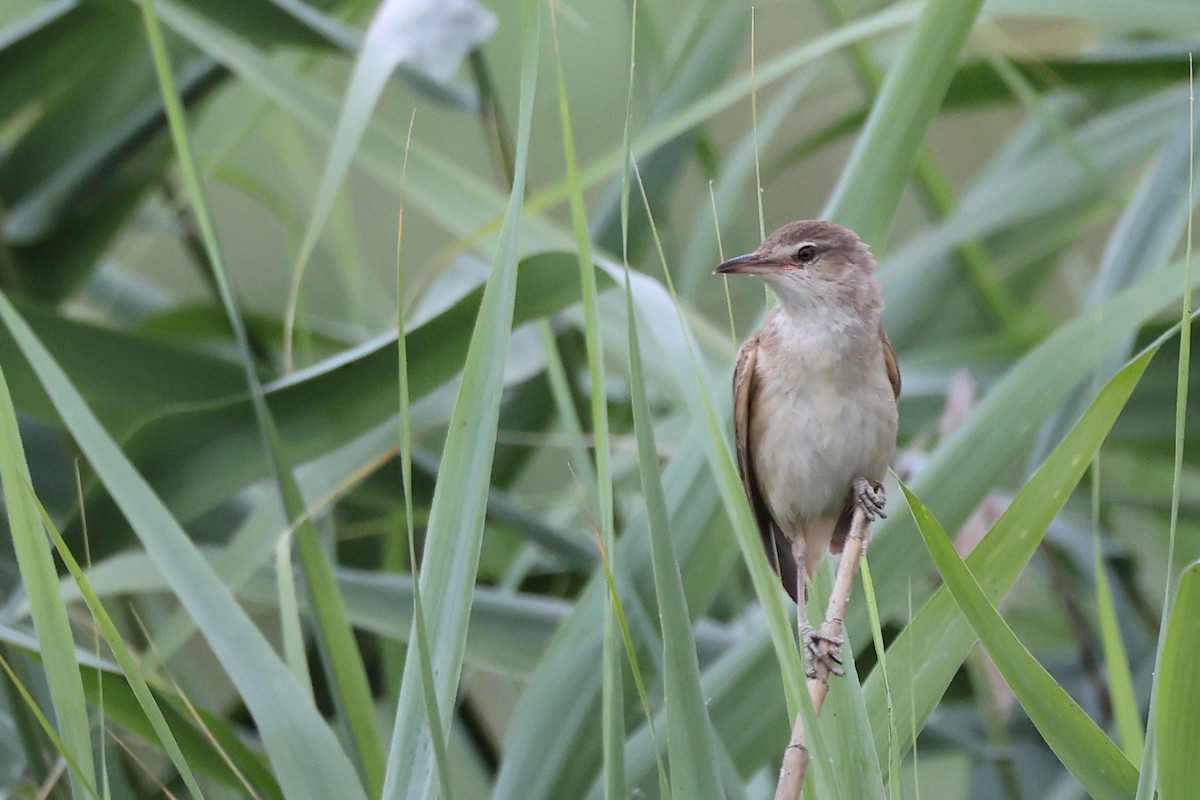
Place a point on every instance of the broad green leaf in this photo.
(104, 363)
(75, 177)
(307, 758)
(930, 650)
(325, 406)
(1178, 739)
(970, 462)
(286, 22)
(508, 631)
(1079, 743)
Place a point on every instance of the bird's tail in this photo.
(809, 542)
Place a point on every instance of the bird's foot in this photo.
(870, 497)
(820, 648)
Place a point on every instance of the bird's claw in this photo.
(870, 497)
(811, 640)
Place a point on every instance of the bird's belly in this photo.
(814, 439)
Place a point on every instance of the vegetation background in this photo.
(206, 407)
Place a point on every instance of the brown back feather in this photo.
(779, 551)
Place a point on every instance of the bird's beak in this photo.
(749, 264)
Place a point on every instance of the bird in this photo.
(815, 394)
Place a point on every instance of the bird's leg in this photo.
(869, 496)
(810, 637)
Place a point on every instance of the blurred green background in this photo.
(1036, 247)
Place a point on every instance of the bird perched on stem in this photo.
(814, 399)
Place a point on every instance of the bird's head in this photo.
(811, 261)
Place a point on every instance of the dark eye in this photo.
(806, 254)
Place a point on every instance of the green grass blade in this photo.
(307, 757)
(893, 749)
(566, 412)
(424, 665)
(842, 760)
(1116, 664)
(455, 529)
(129, 666)
(724, 470)
(1076, 740)
(846, 732)
(338, 647)
(613, 716)
(614, 780)
(209, 745)
(291, 631)
(1177, 735)
(86, 789)
(882, 161)
(613, 759)
(689, 744)
(1150, 760)
(348, 677)
(40, 581)
(553, 750)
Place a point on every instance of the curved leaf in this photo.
(1078, 742)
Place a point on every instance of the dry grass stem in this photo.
(795, 757)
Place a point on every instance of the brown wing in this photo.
(889, 360)
(779, 551)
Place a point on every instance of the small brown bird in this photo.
(814, 399)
